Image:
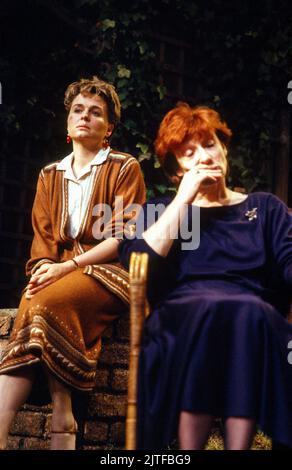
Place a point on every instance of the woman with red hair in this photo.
(216, 343)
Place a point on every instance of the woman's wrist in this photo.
(179, 202)
(75, 262)
(69, 265)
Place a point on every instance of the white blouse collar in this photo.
(66, 163)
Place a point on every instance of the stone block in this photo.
(45, 409)
(106, 405)
(11, 312)
(48, 425)
(14, 443)
(117, 433)
(36, 444)
(117, 354)
(29, 424)
(120, 380)
(96, 431)
(86, 447)
(3, 343)
(102, 378)
(5, 324)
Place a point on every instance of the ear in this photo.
(224, 149)
(110, 129)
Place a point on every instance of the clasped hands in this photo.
(46, 274)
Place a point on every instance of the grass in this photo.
(261, 441)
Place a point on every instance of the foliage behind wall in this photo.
(240, 61)
(237, 58)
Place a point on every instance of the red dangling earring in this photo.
(68, 139)
(105, 143)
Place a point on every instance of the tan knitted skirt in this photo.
(61, 327)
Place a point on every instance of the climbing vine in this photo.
(239, 60)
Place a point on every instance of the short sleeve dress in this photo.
(217, 340)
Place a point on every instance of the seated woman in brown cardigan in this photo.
(73, 292)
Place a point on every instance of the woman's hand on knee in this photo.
(42, 269)
(46, 275)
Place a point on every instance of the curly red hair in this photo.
(185, 122)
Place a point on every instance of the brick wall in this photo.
(101, 417)
(102, 423)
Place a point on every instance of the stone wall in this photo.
(101, 417)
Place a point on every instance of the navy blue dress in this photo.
(217, 341)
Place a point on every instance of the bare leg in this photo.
(239, 433)
(14, 391)
(194, 430)
(63, 423)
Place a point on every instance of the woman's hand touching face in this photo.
(203, 164)
(194, 179)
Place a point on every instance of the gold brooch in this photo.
(252, 214)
